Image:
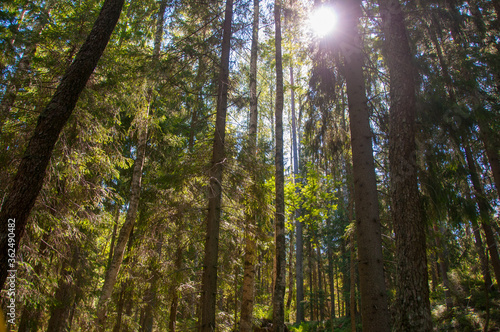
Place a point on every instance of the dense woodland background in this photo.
(118, 238)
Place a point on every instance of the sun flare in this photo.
(323, 21)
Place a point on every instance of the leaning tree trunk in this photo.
(209, 277)
(31, 172)
(123, 237)
(412, 290)
(374, 308)
(279, 218)
(250, 231)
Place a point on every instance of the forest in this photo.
(285, 165)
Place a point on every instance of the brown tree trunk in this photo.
(248, 296)
(209, 277)
(279, 217)
(412, 290)
(484, 211)
(64, 295)
(374, 307)
(175, 291)
(31, 172)
(299, 246)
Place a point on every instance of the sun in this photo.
(323, 21)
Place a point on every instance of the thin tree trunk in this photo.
(279, 219)
(352, 293)
(113, 236)
(331, 279)
(209, 278)
(18, 81)
(64, 295)
(299, 246)
(248, 296)
(443, 265)
(290, 272)
(484, 211)
(31, 172)
(321, 292)
(123, 237)
(374, 307)
(175, 291)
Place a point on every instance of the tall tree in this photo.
(251, 224)
(209, 278)
(299, 247)
(412, 288)
(31, 172)
(135, 187)
(374, 307)
(279, 217)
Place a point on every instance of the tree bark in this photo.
(31, 172)
(250, 258)
(209, 277)
(412, 290)
(374, 308)
(279, 218)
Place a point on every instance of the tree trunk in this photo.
(299, 246)
(209, 278)
(374, 308)
(321, 291)
(113, 235)
(352, 288)
(18, 81)
(31, 172)
(412, 290)
(64, 295)
(484, 211)
(279, 218)
(123, 237)
(175, 289)
(251, 224)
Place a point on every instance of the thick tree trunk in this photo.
(123, 237)
(31, 172)
(279, 217)
(250, 231)
(374, 308)
(412, 290)
(209, 278)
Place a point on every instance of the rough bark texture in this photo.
(412, 289)
(123, 237)
(250, 259)
(279, 219)
(31, 172)
(374, 309)
(209, 278)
